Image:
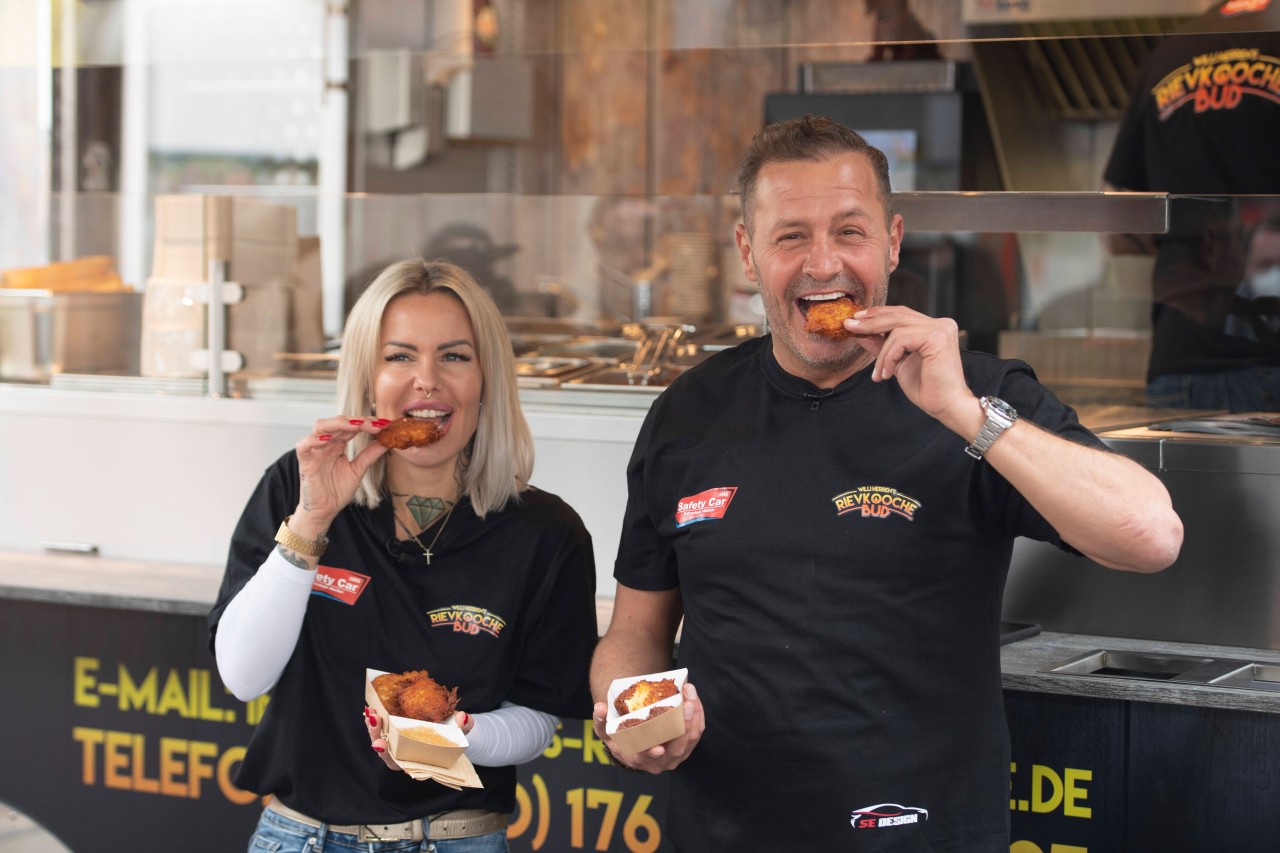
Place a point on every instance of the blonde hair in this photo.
(498, 461)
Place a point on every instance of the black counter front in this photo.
(119, 736)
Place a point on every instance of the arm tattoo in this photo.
(293, 558)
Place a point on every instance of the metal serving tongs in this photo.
(652, 353)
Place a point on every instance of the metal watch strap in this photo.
(1000, 416)
(293, 541)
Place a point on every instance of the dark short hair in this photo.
(809, 137)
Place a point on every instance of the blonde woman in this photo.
(439, 557)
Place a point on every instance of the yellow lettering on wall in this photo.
(204, 706)
(1073, 792)
(202, 754)
(255, 709)
(173, 696)
(84, 681)
(172, 766)
(115, 759)
(1040, 776)
(182, 767)
(89, 739)
(133, 696)
(592, 746)
(139, 777)
(226, 764)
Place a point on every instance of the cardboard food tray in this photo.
(405, 748)
(652, 732)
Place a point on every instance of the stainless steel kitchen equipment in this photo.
(1224, 587)
(1174, 669)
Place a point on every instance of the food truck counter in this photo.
(111, 657)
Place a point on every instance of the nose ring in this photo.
(429, 393)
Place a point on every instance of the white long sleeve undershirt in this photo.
(513, 734)
(260, 627)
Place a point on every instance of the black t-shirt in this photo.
(1203, 120)
(1204, 112)
(505, 612)
(841, 562)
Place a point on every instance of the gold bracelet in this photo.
(289, 539)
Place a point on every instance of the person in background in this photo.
(1257, 310)
(417, 545)
(1201, 124)
(833, 519)
(898, 35)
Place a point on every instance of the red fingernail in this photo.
(466, 718)
(324, 437)
(370, 716)
(355, 422)
(377, 748)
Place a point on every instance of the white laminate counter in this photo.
(164, 478)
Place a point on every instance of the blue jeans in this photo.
(1248, 389)
(279, 834)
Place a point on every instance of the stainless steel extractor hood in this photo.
(1047, 68)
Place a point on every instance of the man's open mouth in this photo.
(809, 300)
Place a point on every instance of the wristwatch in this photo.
(293, 541)
(1000, 416)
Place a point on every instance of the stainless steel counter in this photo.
(1225, 585)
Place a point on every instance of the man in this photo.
(1201, 122)
(807, 506)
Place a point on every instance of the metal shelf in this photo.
(1025, 212)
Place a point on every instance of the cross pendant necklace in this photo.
(426, 549)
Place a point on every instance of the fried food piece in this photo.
(417, 695)
(653, 712)
(409, 432)
(425, 699)
(389, 684)
(644, 693)
(827, 318)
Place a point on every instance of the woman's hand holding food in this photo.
(329, 478)
(666, 756)
(378, 738)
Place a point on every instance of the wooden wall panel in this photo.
(660, 97)
(605, 124)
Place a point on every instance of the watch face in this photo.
(1001, 407)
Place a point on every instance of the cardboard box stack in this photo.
(67, 317)
(259, 242)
